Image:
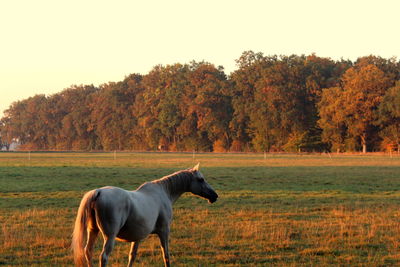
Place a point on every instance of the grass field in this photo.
(278, 210)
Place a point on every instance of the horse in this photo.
(130, 216)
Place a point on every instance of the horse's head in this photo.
(200, 187)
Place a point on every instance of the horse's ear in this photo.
(197, 167)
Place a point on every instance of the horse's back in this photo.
(113, 198)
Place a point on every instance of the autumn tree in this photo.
(332, 121)
(390, 66)
(110, 113)
(187, 107)
(364, 88)
(5, 141)
(389, 117)
(157, 107)
(77, 131)
(28, 122)
(355, 105)
(243, 89)
(168, 112)
(210, 105)
(275, 100)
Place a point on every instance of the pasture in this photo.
(278, 210)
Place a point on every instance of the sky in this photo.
(47, 45)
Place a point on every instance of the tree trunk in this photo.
(364, 143)
(364, 148)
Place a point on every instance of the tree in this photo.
(389, 117)
(211, 104)
(284, 104)
(332, 118)
(110, 113)
(355, 104)
(243, 89)
(391, 67)
(363, 91)
(28, 122)
(169, 109)
(158, 107)
(77, 131)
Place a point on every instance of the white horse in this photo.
(131, 216)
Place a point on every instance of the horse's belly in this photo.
(133, 234)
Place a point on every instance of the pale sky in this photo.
(49, 45)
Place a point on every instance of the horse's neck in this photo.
(175, 186)
(174, 196)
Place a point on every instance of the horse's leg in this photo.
(91, 238)
(132, 253)
(107, 248)
(163, 235)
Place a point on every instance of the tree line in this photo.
(270, 103)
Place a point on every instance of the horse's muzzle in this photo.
(213, 197)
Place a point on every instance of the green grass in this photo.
(282, 210)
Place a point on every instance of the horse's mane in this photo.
(178, 181)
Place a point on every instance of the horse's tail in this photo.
(81, 223)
